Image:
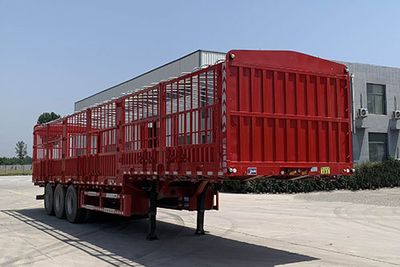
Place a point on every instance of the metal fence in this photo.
(15, 169)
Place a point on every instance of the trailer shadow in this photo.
(119, 242)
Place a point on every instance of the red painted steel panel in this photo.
(302, 120)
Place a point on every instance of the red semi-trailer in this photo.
(256, 115)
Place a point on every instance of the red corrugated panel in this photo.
(286, 110)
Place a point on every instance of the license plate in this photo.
(325, 170)
(251, 171)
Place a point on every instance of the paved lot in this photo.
(329, 229)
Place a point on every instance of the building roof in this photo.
(174, 68)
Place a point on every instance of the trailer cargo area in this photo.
(256, 115)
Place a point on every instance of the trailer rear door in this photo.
(285, 112)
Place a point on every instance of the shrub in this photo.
(370, 175)
(377, 175)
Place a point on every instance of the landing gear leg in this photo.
(200, 214)
(152, 212)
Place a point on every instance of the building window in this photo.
(376, 98)
(377, 146)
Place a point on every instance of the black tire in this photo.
(59, 201)
(49, 199)
(73, 212)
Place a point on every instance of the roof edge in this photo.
(147, 72)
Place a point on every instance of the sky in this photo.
(53, 53)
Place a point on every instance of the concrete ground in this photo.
(319, 229)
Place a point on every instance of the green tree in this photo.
(21, 151)
(47, 116)
(27, 160)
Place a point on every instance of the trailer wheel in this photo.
(59, 201)
(49, 199)
(73, 212)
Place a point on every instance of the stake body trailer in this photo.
(255, 115)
